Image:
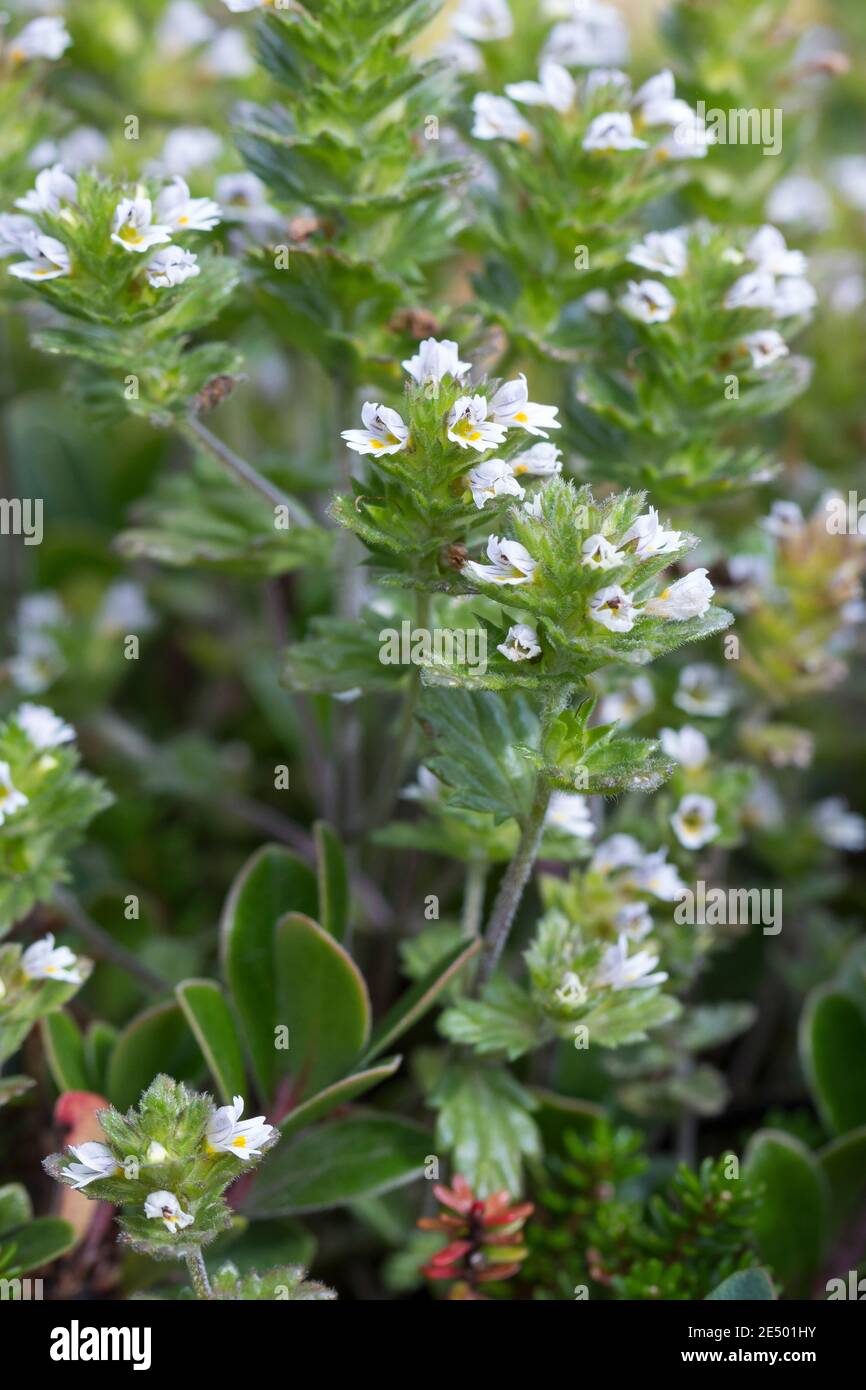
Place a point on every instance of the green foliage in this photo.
(485, 1122)
(27, 1241)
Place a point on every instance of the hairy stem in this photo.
(201, 437)
(198, 1274)
(511, 888)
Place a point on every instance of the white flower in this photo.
(658, 103)
(497, 118)
(469, 426)
(592, 34)
(542, 460)
(384, 431)
(43, 727)
(569, 812)
(765, 347)
(785, 520)
(634, 921)
(244, 6)
(133, 227)
(571, 991)
(11, 800)
(493, 478)
(172, 266)
(483, 20)
(124, 609)
(768, 251)
(45, 961)
(460, 54)
(175, 208)
(703, 690)
(46, 37)
(156, 1152)
(653, 874)
(53, 186)
(229, 55)
(184, 25)
(849, 176)
(647, 536)
(82, 148)
(793, 296)
(426, 786)
(189, 148)
(95, 1161)
(688, 597)
(598, 552)
(521, 643)
(510, 563)
(694, 821)
(50, 262)
(599, 78)
(618, 852)
(662, 252)
(627, 704)
(648, 301)
(244, 198)
(555, 88)
(612, 131)
(690, 139)
(621, 971)
(228, 1133)
(614, 609)
(838, 826)
(686, 746)
(800, 200)
(535, 506)
(164, 1206)
(511, 406)
(434, 360)
(18, 233)
(755, 290)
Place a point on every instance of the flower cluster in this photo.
(45, 38)
(34, 981)
(483, 1237)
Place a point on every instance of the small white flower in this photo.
(648, 301)
(510, 563)
(801, 201)
(703, 690)
(688, 597)
(244, 198)
(434, 360)
(229, 56)
(687, 746)
(46, 37)
(690, 139)
(511, 406)
(555, 88)
(461, 55)
(50, 262)
(849, 177)
(592, 34)
(172, 266)
(599, 554)
(493, 478)
(646, 536)
(244, 6)
(469, 426)
(18, 233)
(228, 1133)
(571, 992)
(189, 148)
(621, 971)
(184, 25)
(617, 852)
(11, 800)
(793, 296)
(785, 520)
(627, 704)
(124, 609)
(384, 431)
(634, 921)
(43, 727)
(611, 132)
(653, 874)
(45, 961)
(600, 78)
(95, 1161)
(133, 227)
(535, 506)
(768, 251)
(542, 460)
(657, 102)
(164, 1206)
(177, 209)
(156, 1152)
(765, 347)
(694, 821)
(521, 643)
(497, 118)
(483, 20)
(52, 188)
(569, 812)
(83, 148)
(755, 290)
(662, 252)
(614, 609)
(838, 826)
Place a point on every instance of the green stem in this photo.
(389, 784)
(200, 437)
(473, 896)
(198, 1274)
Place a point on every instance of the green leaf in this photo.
(475, 738)
(833, 1051)
(486, 1125)
(64, 1050)
(843, 1163)
(340, 1093)
(271, 883)
(359, 1156)
(750, 1285)
(208, 1015)
(412, 1005)
(792, 1214)
(503, 1020)
(334, 903)
(158, 1040)
(99, 1043)
(11, 1087)
(39, 1242)
(322, 1000)
(16, 1207)
(338, 654)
